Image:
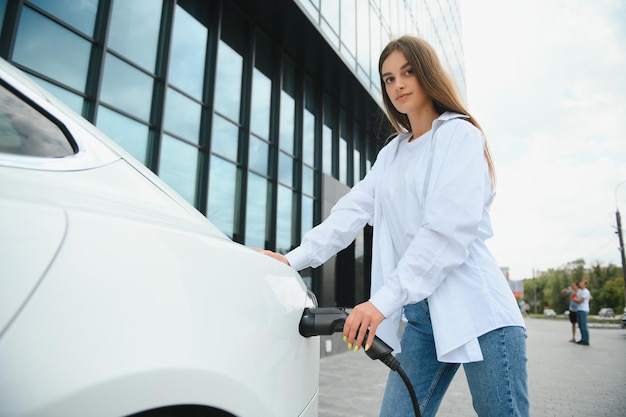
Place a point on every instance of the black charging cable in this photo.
(329, 320)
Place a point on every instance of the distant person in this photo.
(582, 299)
(524, 307)
(572, 292)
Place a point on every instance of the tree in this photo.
(605, 283)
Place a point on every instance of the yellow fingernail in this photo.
(349, 346)
(356, 348)
(367, 347)
(345, 339)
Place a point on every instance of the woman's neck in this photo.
(421, 122)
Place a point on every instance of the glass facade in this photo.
(359, 29)
(242, 106)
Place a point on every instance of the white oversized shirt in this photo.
(428, 202)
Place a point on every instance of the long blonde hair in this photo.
(435, 81)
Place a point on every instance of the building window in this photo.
(188, 54)
(330, 20)
(256, 211)
(348, 31)
(287, 113)
(308, 178)
(81, 16)
(327, 150)
(308, 138)
(225, 138)
(327, 137)
(308, 211)
(286, 198)
(258, 155)
(178, 166)
(228, 82)
(357, 165)
(37, 47)
(128, 133)
(285, 169)
(343, 160)
(182, 116)
(284, 215)
(363, 30)
(134, 30)
(259, 186)
(261, 101)
(126, 88)
(73, 101)
(223, 195)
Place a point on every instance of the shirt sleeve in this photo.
(453, 211)
(347, 218)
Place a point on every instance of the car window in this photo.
(24, 130)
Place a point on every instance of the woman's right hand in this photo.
(278, 256)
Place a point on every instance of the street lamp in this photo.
(621, 239)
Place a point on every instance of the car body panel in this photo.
(159, 324)
(36, 231)
(122, 297)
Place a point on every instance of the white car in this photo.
(117, 297)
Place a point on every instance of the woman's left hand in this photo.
(278, 256)
(364, 316)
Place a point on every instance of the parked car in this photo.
(624, 319)
(549, 312)
(118, 297)
(606, 312)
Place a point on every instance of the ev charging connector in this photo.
(329, 320)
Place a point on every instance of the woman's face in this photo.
(401, 84)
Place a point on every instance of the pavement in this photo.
(564, 379)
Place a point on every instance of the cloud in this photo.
(546, 81)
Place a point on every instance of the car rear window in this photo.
(25, 130)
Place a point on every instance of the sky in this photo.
(546, 79)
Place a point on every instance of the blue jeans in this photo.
(497, 383)
(581, 316)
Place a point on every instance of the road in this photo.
(564, 379)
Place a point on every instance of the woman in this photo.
(427, 197)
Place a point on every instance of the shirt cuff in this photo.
(386, 301)
(298, 259)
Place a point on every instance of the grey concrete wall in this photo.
(332, 191)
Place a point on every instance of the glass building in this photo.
(260, 113)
